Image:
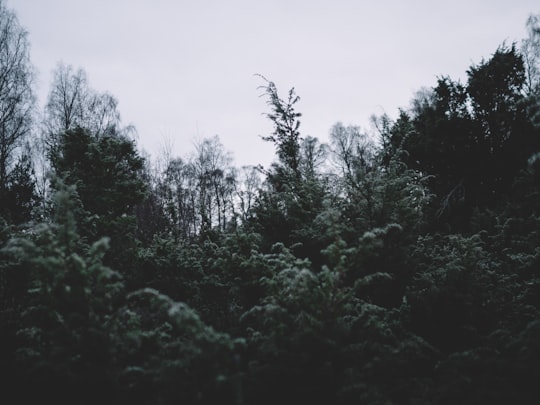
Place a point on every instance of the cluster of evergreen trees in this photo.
(398, 270)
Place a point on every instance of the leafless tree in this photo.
(212, 168)
(352, 151)
(530, 49)
(72, 103)
(247, 188)
(177, 191)
(16, 93)
(197, 193)
(312, 156)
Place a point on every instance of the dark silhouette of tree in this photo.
(473, 139)
(507, 139)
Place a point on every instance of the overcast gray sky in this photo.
(184, 69)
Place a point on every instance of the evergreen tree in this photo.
(295, 191)
(473, 139)
(18, 195)
(107, 171)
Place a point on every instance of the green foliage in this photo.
(107, 171)
(453, 291)
(287, 329)
(220, 278)
(61, 342)
(286, 136)
(317, 339)
(295, 190)
(375, 187)
(167, 354)
(18, 194)
(473, 139)
(479, 309)
(82, 337)
(406, 272)
(287, 215)
(392, 194)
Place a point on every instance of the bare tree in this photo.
(353, 152)
(530, 50)
(72, 103)
(67, 98)
(312, 156)
(197, 194)
(16, 93)
(247, 188)
(212, 168)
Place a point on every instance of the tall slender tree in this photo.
(286, 135)
(16, 97)
(530, 49)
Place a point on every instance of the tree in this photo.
(107, 173)
(375, 188)
(530, 49)
(352, 151)
(19, 196)
(62, 345)
(312, 157)
(215, 183)
(496, 94)
(76, 334)
(197, 194)
(286, 136)
(294, 188)
(495, 89)
(73, 103)
(177, 192)
(440, 136)
(473, 139)
(16, 94)
(67, 98)
(150, 212)
(247, 188)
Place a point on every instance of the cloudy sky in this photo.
(184, 70)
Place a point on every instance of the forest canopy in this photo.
(396, 267)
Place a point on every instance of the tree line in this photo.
(396, 266)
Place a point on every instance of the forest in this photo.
(397, 266)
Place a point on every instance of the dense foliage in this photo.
(398, 270)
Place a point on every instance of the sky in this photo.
(185, 70)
